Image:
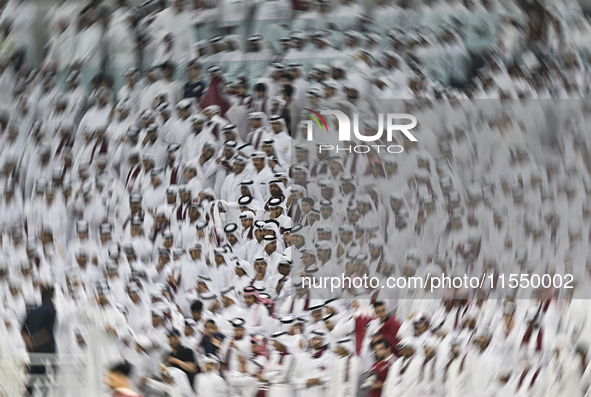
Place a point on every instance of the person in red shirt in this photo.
(380, 368)
(117, 379)
(390, 324)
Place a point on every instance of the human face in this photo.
(258, 162)
(174, 341)
(381, 351)
(102, 300)
(314, 217)
(227, 301)
(381, 312)
(374, 251)
(346, 237)
(324, 235)
(232, 239)
(249, 300)
(210, 329)
(306, 207)
(276, 212)
(228, 153)
(327, 192)
(308, 259)
(317, 314)
(323, 255)
(316, 343)
(301, 156)
(196, 315)
(134, 297)
(297, 240)
(275, 190)
(197, 126)
(238, 167)
(114, 381)
(271, 247)
(284, 269)
(247, 223)
(193, 72)
(82, 260)
(276, 127)
(239, 332)
(260, 266)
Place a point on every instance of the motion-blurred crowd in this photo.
(162, 200)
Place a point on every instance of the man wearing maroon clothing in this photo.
(390, 324)
(380, 369)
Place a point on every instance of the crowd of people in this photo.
(168, 198)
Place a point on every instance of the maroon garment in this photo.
(101, 146)
(65, 142)
(174, 174)
(389, 331)
(381, 369)
(539, 339)
(181, 212)
(132, 176)
(533, 378)
(215, 96)
(360, 324)
(297, 5)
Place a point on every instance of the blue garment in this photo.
(194, 90)
(209, 347)
(39, 325)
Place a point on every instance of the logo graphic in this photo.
(315, 119)
(388, 123)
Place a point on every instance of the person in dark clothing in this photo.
(286, 113)
(212, 340)
(197, 310)
(38, 330)
(180, 357)
(195, 87)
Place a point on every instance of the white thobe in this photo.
(208, 384)
(344, 376)
(104, 348)
(277, 373)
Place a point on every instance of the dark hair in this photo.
(273, 221)
(287, 76)
(308, 200)
(102, 78)
(260, 87)
(196, 64)
(288, 91)
(378, 303)
(379, 337)
(122, 368)
(197, 306)
(242, 81)
(210, 321)
(168, 65)
(382, 342)
(46, 292)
